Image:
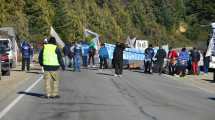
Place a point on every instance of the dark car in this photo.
(4, 61)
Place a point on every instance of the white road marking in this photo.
(15, 101)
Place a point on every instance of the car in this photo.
(4, 61)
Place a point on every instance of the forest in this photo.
(174, 22)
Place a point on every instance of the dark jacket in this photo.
(195, 55)
(52, 68)
(66, 50)
(161, 54)
(118, 53)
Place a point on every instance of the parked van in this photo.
(7, 45)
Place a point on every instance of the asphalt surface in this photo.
(94, 95)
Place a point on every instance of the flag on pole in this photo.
(53, 33)
(211, 46)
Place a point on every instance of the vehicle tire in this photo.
(6, 73)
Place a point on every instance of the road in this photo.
(93, 95)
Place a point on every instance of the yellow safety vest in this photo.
(50, 56)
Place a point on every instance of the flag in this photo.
(53, 33)
(211, 46)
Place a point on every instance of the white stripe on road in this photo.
(15, 101)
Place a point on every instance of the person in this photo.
(85, 53)
(77, 56)
(92, 52)
(195, 57)
(160, 55)
(103, 56)
(26, 55)
(183, 61)
(118, 59)
(172, 56)
(66, 50)
(206, 60)
(72, 55)
(149, 54)
(51, 59)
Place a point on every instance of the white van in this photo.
(7, 44)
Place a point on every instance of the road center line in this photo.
(15, 101)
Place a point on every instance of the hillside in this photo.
(177, 22)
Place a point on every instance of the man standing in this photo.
(161, 54)
(66, 50)
(149, 54)
(26, 55)
(195, 57)
(92, 52)
(172, 56)
(118, 59)
(78, 54)
(50, 58)
(103, 56)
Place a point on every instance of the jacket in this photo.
(149, 53)
(103, 52)
(118, 53)
(160, 55)
(195, 55)
(52, 68)
(184, 56)
(26, 50)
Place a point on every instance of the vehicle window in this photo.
(4, 43)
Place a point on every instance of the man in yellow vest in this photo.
(51, 59)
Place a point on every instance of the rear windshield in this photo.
(4, 44)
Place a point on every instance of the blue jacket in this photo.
(149, 53)
(103, 52)
(85, 50)
(184, 55)
(26, 50)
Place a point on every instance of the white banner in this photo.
(141, 44)
(53, 33)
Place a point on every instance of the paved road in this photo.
(93, 95)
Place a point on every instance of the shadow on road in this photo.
(211, 81)
(32, 94)
(34, 72)
(212, 98)
(105, 74)
(138, 71)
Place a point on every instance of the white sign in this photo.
(141, 44)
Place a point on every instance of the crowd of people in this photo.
(77, 54)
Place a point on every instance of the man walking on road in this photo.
(118, 59)
(195, 57)
(26, 55)
(161, 54)
(149, 54)
(50, 58)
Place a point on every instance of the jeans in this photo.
(84, 59)
(103, 63)
(195, 67)
(66, 61)
(25, 62)
(91, 56)
(77, 63)
(148, 66)
(118, 67)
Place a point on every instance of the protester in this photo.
(50, 58)
(66, 50)
(183, 62)
(26, 55)
(195, 57)
(103, 56)
(206, 62)
(92, 52)
(85, 53)
(149, 54)
(118, 59)
(172, 56)
(72, 55)
(160, 55)
(78, 54)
